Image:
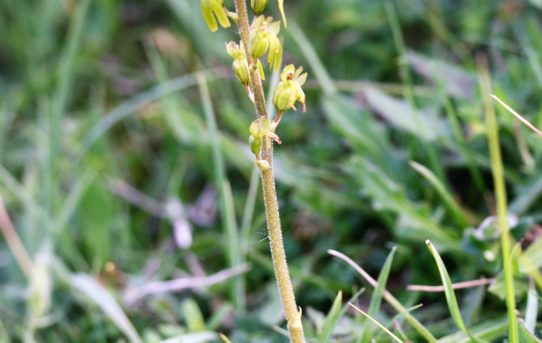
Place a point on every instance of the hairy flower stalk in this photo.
(259, 39)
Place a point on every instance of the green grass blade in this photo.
(531, 310)
(390, 195)
(500, 195)
(325, 81)
(489, 330)
(59, 103)
(517, 115)
(4, 337)
(226, 199)
(248, 212)
(378, 293)
(449, 201)
(96, 293)
(196, 337)
(331, 319)
(385, 329)
(224, 338)
(131, 105)
(526, 336)
(408, 89)
(390, 299)
(448, 290)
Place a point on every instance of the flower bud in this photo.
(258, 6)
(262, 127)
(262, 164)
(213, 10)
(240, 68)
(258, 44)
(255, 145)
(264, 39)
(240, 63)
(283, 97)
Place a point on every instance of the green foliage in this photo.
(96, 92)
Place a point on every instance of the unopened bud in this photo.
(258, 45)
(240, 63)
(240, 67)
(258, 6)
(255, 145)
(263, 165)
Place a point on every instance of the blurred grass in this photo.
(99, 90)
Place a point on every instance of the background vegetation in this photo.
(113, 178)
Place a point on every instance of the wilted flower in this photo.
(263, 38)
(289, 90)
(240, 63)
(213, 10)
(258, 6)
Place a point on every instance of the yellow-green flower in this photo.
(213, 10)
(258, 6)
(264, 39)
(240, 63)
(289, 90)
(260, 128)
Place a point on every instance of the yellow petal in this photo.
(221, 15)
(208, 16)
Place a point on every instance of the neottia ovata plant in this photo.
(259, 38)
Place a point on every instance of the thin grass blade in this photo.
(531, 311)
(378, 293)
(500, 195)
(390, 299)
(331, 319)
(449, 201)
(95, 293)
(448, 290)
(385, 329)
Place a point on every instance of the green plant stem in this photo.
(500, 194)
(278, 255)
